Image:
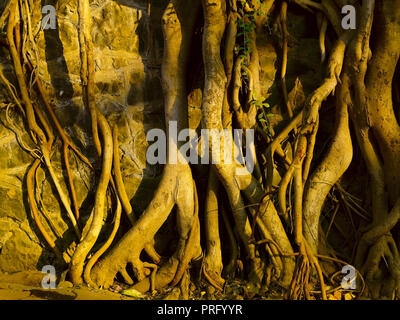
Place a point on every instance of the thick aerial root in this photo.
(230, 41)
(118, 178)
(377, 132)
(376, 87)
(382, 283)
(299, 285)
(128, 249)
(218, 283)
(271, 229)
(330, 169)
(377, 246)
(287, 178)
(88, 68)
(87, 243)
(213, 98)
(105, 246)
(242, 222)
(298, 170)
(192, 245)
(212, 266)
(163, 277)
(104, 272)
(153, 269)
(61, 193)
(71, 183)
(282, 269)
(275, 145)
(283, 16)
(30, 178)
(120, 189)
(230, 268)
(380, 228)
(335, 64)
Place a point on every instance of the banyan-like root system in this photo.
(262, 222)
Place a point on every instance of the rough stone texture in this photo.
(122, 78)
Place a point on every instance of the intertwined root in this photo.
(378, 258)
(231, 92)
(212, 265)
(299, 288)
(159, 279)
(381, 268)
(91, 236)
(172, 190)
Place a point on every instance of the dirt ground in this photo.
(27, 286)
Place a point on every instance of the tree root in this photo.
(87, 243)
(330, 169)
(34, 209)
(87, 67)
(36, 132)
(212, 265)
(118, 178)
(105, 246)
(162, 277)
(191, 248)
(264, 245)
(383, 252)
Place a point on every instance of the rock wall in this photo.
(128, 92)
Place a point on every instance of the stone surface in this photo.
(122, 80)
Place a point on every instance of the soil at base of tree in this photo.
(27, 286)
